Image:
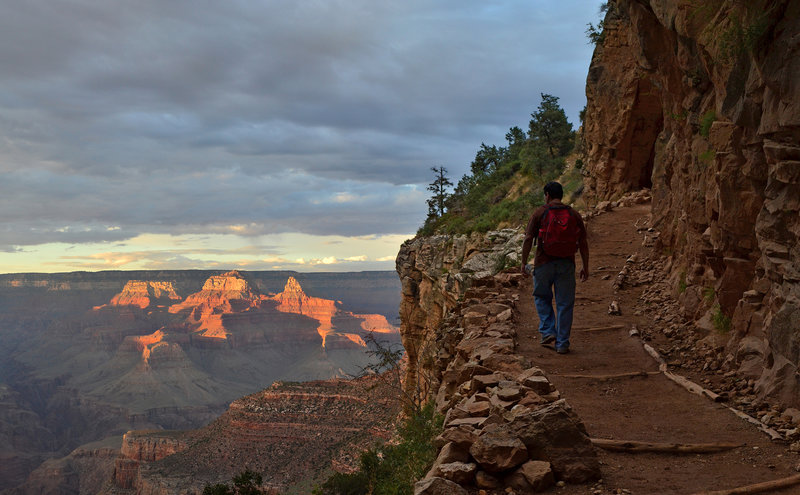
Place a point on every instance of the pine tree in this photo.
(436, 205)
(549, 127)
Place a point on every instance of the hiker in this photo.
(560, 232)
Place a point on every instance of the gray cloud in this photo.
(186, 116)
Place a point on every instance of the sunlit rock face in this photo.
(294, 300)
(142, 294)
(698, 100)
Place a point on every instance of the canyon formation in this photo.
(76, 372)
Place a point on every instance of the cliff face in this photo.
(435, 272)
(143, 293)
(698, 101)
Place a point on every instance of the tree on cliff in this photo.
(437, 203)
(549, 127)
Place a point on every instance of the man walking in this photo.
(560, 232)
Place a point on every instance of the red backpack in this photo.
(559, 232)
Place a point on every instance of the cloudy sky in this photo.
(258, 134)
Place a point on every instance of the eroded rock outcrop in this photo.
(435, 272)
(505, 424)
(698, 100)
(143, 293)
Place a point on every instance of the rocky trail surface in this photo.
(648, 407)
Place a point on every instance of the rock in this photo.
(462, 436)
(438, 486)
(452, 452)
(496, 451)
(462, 473)
(792, 415)
(533, 476)
(555, 434)
(486, 480)
(477, 409)
(538, 474)
(479, 383)
(539, 384)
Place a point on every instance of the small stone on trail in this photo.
(613, 308)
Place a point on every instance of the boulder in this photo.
(554, 433)
(486, 480)
(497, 450)
(438, 486)
(538, 474)
(462, 436)
(462, 473)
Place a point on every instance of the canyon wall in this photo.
(435, 272)
(699, 101)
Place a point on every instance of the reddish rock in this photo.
(438, 486)
(497, 450)
(143, 294)
(555, 434)
(486, 480)
(462, 473)
(463, 436)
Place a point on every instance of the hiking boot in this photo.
(563, 350)
(548, 339)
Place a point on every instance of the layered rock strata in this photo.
(698, 100)
(143, 293)
(287, 432)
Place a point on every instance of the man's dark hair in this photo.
(554, 189)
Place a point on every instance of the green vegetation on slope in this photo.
(392, 469)
(505, 182)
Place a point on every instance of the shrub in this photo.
(721, 321)
(682, 283)
(709, 294)
(392, 469)
(706, 158)
(245, 483)
(706, 121)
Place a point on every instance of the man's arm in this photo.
(526, 251)
(583, 247)
(528, 242)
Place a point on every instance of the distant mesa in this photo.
(143, 293)
(229, 307)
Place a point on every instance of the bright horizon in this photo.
(268, 136)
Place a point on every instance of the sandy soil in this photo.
(644, 408)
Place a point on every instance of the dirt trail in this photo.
(644, 408)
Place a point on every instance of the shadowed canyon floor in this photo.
(650, 407)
